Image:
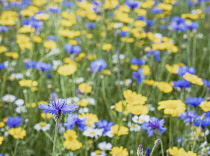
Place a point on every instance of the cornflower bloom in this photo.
(73, 120)
(14, 121)
(154, 125)
(57, 107)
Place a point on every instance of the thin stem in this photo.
(55, 138)
(16, 145)
(161, 144)
(153, 149)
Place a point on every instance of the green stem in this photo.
(16, 145)
(161, 144)
(55, 138)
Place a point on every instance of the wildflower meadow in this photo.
(104, 77)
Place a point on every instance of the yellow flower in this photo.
(28, 83)
(13, 55)
(110, 4)
(119, 130)
(134, 67)
(119, 151)
(82, 103)
(149, 82)
(2, 124)
(1, 139)
(85, 88)
(70, 135)
(39, 2)
(68, 69)
(172, 69)
(121, 106)
(106, 72)
(146, 69)
(172, 107)
(37, 39)
(134, 98)
(194, 79)
(17, 133)
(42, 16)
(26, 29)
(91, 118)
(3, 49)
(138, 109)
(205, 106)
(106, 46)
(164, 86)
(174, 151)
(50, 44)
(46, 115)
(72, 145)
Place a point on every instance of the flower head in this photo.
(154, 125)
(98, 65)
(73, 120)
(57, 107)
(14, 121)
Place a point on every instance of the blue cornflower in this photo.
(105, 125)
(53, 96)
(189, 3)
(132, 4)
(98, 65)
(14, 121)
(206, 83)
(54, 9)
(156, 54)
(52, 38)
(140, 18)
(154, 126)
(147, 153)
(192, 25)
(202, 122)
(68, 4)
(185, 69)
(2, 66)
(178, 24)
(58, 106)
(157, 10)
(30, 63)
(123, 33)
(43, 66)
(194, 101)
(73, 120)
(72, 49)
(181, 84)
(150, 22)
(138, 75)
(3, 28)
(188, 116)
(90, 25)
(137, 61)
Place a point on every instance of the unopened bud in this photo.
(140, 151)
(203, 116)
(157, 142)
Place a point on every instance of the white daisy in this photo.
(98, 153)
(8, 98)
(19, 102)
(134, 127)
(104, 146)
(42, 126)
(93, 133)
(21, 109)
(140, 119)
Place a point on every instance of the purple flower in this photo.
(185, 69)
(73, 120)
(181, 84)
(98, 65)
(14, 121)
(105, 125)
(2, 66)
(206, 83)
(138, 75)
(43, 66)
(154, 126)
(137, 61)
(58, 107)
(189, 116)
(132, 4)
(194, 101)
(30, 63)
(156, 54)
(72, 49)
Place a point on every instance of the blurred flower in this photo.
(194, 101)
(98, 65)
(73, 120)
(188, 116)
(119, 151)
(98, 153)
(104, 146)
(8, 98)
(72, 49)
(119, 130)
(14, 121)
(132, 4)
(17, 133)
(105, 125)
(42, 126)
(93, 133)
(205, 106)
(138, 76)
(181, 84)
